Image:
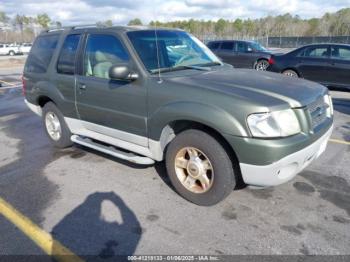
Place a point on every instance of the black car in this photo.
(241, 54)
(328, 64)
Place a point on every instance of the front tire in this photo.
(11, 53)
(55, 126)
(199, 168)
(261, 65)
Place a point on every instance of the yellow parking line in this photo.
(338, 141)
(43, 239)
(7, 83)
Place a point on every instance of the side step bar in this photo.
(110, 150)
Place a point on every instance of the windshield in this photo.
(176, 49)
(257, 47)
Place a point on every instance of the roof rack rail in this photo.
(51, 29)
(87, 26)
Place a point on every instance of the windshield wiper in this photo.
(177, 68)
(198, 67)
(211, 64)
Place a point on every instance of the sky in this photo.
(121, 11)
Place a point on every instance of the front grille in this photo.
(318, 112)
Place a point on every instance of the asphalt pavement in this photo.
(98, 205)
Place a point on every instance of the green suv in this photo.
(147, 95)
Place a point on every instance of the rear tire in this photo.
(199, 168)
(290, 72)
(11, 53)
(55, 126)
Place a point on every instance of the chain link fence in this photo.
(288, 42)
(294, 42)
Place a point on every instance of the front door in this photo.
(244, 55)
(111, 107)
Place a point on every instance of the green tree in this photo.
(4, 18)
(43, 20)
(135, 21)
(107, 23)
(238, 25)
(220, 26)
(19, 22)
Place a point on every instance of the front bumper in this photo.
(286, 168)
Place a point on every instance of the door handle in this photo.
(82, 86)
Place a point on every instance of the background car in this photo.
(6, 49)
(328, 64)
(241, 54)
(25, 48)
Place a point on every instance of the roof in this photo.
(325, 44)
(232, 40)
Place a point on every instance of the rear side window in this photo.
(66, 60)
(227, 46)
(214, 45)
(41, 54)
(316, 52)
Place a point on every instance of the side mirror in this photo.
(122, 72)
(250, 50)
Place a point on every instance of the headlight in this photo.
(328, 101)
(274, 124)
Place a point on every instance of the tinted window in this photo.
(214, 45)
(241, 47)
(102, 52)
(317, 52)
(341, 53)
(227, 45)
(257, 47)
(66, 60)
(41, 54)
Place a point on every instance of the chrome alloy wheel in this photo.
(262, 65)
(290, 73)
(53, 126)
(194, 170)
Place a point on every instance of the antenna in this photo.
(157, 48)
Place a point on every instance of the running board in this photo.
(110, 150)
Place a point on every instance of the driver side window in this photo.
(101, 53)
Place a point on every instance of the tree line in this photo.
(21, 28)
(330, 24)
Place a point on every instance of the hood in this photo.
(256, 85)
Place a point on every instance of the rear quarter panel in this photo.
(50, 85)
